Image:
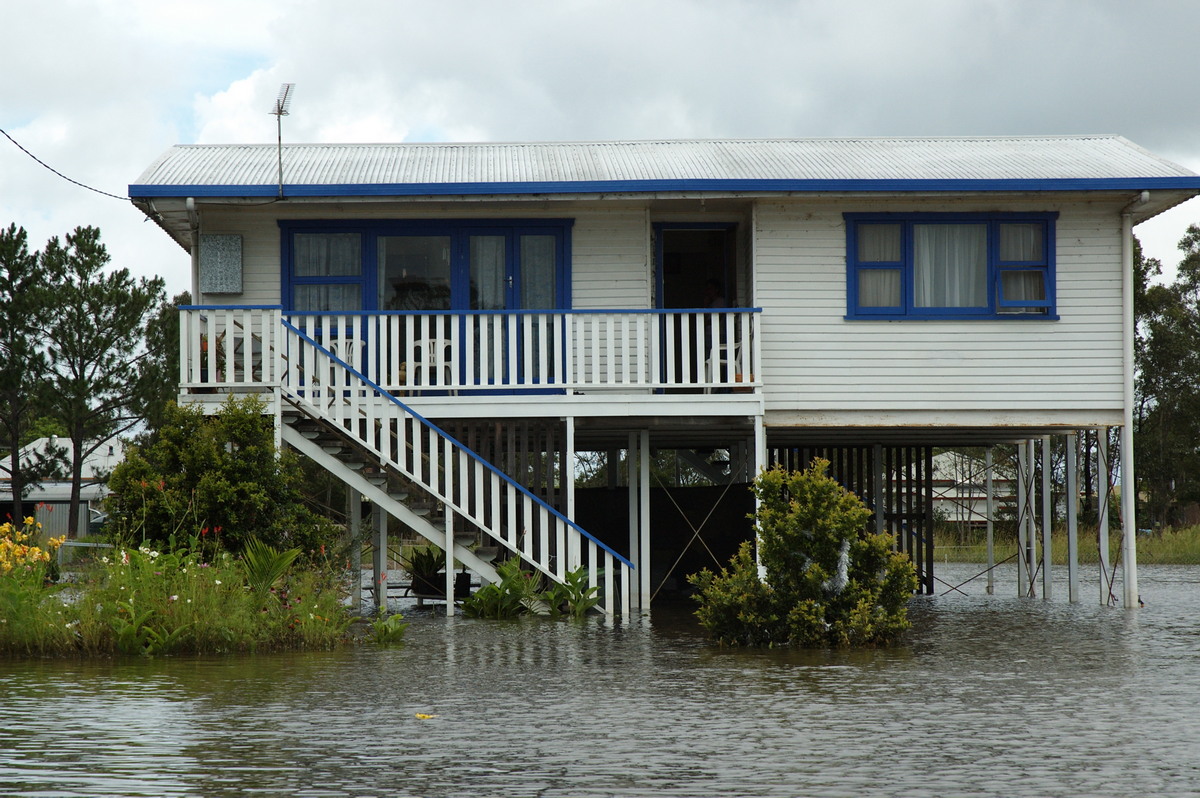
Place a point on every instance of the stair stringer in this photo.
(379, 496)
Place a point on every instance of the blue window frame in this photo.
(950, 265)
(451, 264)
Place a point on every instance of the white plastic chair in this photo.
(722, 363)
(433, 365)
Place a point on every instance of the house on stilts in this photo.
(445, 326)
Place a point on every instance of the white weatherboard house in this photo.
(444, 325)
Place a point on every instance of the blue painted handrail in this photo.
(470, 452)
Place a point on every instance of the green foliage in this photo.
(517, 592)
(24, 372)
(220, 475)
(146, 602)
(1167, 438)
(265, 565)
(514, 594)
(94, 342)
(158, 376)
(425, 562)
(572, 596)
(388, 629)
(829, 581)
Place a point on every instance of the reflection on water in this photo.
(993, 696)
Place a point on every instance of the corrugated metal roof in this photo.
(770, 164)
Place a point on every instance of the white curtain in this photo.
(1023, 286)
(878, 243)
(950, 265)
(1020, 243)
(487, 273)
(539, 290)
(879, 288)
(326, 255)
(333, 298)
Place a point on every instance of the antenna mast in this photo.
(279, 111)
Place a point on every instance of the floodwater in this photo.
(993, 696)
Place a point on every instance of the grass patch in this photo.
(145, 602)
(1169, 547)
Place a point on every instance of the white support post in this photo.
(381, 553)
(644, 495)
(1103, 469)
(877, 490)
(574, 555)
(991, 526)
(354, 514)
(1128, 483)
(1071, 443)
(448, 548)
(632, 482)
(1047, 519)
(1022, 513)
(1129, 519)
(760, 463)
(1030, 520)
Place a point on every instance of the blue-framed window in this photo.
(950, 265)
(451, 264)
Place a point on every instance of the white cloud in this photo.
(106, 86)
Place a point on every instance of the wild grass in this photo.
(146, 602)
(1168, 547)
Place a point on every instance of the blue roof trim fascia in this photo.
(647, 186)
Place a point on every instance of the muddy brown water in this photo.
(992, 696)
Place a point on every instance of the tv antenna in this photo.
(279, 111)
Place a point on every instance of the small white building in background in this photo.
(960, 489)
(49, 501)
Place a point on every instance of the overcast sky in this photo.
(99, 88)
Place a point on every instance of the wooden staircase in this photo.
(430, 482)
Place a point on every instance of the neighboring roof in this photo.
(1046, 163)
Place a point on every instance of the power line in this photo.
(55, 171)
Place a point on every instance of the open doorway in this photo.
(693, 262)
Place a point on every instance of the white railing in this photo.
(409, 353)
(229, 347)
(421, 352)
(449, 352)
(469, 486)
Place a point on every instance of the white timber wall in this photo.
(819, 368)
(609, 248)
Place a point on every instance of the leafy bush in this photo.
(221, 475)
(518, 593)
(388, 629)
(828, 579)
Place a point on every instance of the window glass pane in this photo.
(1020, 242)
(950, 266)
(879, 288)
(414, 273)
(328, 298)
(878, 243)
(488, 284)
(539, 288)
(326, 255)
(1023, 286)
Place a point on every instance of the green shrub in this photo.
(828, 579)
(518, 593)
(220, 475)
